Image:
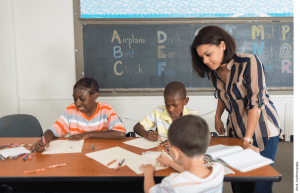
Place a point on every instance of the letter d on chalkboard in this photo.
(159, 33)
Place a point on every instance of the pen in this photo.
(111, 162)
(31, 154)
(44, 142)
(122, 162)
(26, 156)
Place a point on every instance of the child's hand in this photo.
(165, 143)
(152, 136)
(164, 161)
(147, 168)
(40, 146)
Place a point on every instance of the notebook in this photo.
(236, 157)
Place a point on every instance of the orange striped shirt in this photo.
(72, 121)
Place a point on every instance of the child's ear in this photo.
(176, 152)
(186, 100)
(95, 95)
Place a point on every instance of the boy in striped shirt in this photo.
(85, 118)
(162, 116)
(189, 138)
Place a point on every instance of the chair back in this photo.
(20, 125)
(131, 134)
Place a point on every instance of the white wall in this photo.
(38, 68)
(8, 83)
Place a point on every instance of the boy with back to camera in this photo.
(189, 138)
(162, 116)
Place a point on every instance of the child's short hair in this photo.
(87, 83)
(190, 134)
(174, 88)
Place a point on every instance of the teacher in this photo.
(240, 86)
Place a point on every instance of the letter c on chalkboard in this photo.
(115, 69)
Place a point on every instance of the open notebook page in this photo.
(245, 160)
(220, 150)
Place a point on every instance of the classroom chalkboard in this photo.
(151, 56)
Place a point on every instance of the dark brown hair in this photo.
(212, 35)
(190, 134)
(174, 88)
(87, 83)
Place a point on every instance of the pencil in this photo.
(58, 165)
(160, 156)
(120, 163)
(44, 142)
(118, 166)
(111, 162)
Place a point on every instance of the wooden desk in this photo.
(80, 168)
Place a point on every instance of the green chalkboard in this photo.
(151, 56)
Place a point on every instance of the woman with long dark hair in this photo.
(240, 86)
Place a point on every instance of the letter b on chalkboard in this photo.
(119, 52)
(161, 36)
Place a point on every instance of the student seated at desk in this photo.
(85, 118)
(189, 138)
(162, 116)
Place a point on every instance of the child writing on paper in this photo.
(189, 138)
(85, 118)
(162, 116)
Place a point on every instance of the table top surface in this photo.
(80, 167)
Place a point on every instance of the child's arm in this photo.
(105, 134)
(139, 129)
(149, 179)
(165, 161)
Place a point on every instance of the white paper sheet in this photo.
(134, 164)
(106, 156)
(144, 143)
(64, 146)
(13, 151)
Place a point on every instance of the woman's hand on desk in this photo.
(247, 145)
